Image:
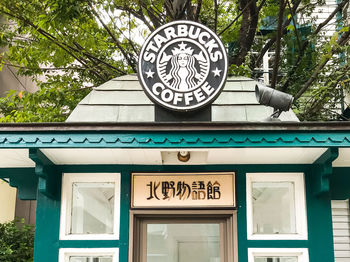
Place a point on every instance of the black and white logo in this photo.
(183, 66)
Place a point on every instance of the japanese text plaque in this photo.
(183, 190)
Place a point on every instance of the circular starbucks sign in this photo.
(183, 66)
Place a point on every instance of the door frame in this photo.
(230, 248)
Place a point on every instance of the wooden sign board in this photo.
(183, 190)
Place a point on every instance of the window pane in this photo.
(273, 208)
(183, 243)
(91, 259)
(92, 208)
(275, 259)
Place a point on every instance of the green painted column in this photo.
(47, 241)
(124, 216)
(47, 229)
(319, 216)
(241, 216)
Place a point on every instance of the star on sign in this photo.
(182, 46)
(149, 74)
(216, 72)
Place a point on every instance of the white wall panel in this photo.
(341, 230)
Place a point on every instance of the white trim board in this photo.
(65, 253)
(300, 205)
(301, 253)
(66, 202)
(168, 156)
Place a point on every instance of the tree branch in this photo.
(159, 13)
(278, 44)
(46, 68)
(295, 25)
(136, 13)
(155, 20)
(307, 42)
(272, 40)
(115, 40)
(92, 57)
(318, 103)
(216, 15)
(132, 44)
(63, 45)
(341, 42)
(247, 32)
(198, 10)
(236, 18)
(325, 22)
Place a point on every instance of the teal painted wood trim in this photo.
(186, 139)
(241, 216)
(47, 173)
(327, 157)
(47, 226)
(320, 234)
(318, 214)
(340, 183)
(319, 218)
(322, 170)
(243, 242)
(124, 216)
(24, 179)
(47, 241)
(39, 157)
(88, 244)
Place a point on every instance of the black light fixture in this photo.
(270, 97)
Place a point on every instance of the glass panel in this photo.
(273, 208)
(92, 208)
(183, 243)
(275, 259)
(91, 259)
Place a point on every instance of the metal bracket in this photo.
(47, 172)
(321, 171)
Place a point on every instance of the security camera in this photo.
(270, 97)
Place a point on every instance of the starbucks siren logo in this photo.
(183, 66)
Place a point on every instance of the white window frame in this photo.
(66, 253)
(301, 253)
(300, 205)
(66, 204)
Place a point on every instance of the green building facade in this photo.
(83, 174)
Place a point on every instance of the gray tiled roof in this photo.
(123, 100)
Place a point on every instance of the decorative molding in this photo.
(24, 179)
(175, 139)
(47, 173)
(322, 170)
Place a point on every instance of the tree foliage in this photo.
(16, 242)
(70, 46)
